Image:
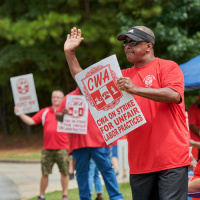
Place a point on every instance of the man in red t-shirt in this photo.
(194, 124)
(55, 148)
(83, 147)
(158, 151)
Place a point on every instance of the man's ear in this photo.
(149, 47)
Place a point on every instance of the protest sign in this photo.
(115, 112)
(24, 93)
(77, 118)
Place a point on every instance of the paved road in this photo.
(8, 189)
(20, 181)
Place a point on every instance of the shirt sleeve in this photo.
(173, 77)
(38, 116)
(125, 72)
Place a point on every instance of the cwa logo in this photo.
(76, 107)
(22, 86)
(101, 89)
(148, 80)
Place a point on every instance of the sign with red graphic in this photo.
(77, 118)
(101, 89)
(115, 112)
(22, 86)
(24, 93)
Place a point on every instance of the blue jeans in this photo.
(94, 178)
(101, 156)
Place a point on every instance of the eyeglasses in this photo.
(131, 43)
(55, 97)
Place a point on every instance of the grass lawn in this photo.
(21, 155)
(21, 146)
(74, 195)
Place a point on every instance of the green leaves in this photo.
(28, 32)
(33, 33)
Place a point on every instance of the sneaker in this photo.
(64, 197)
(40, 198)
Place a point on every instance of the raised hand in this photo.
(16, 110)
(73, 40)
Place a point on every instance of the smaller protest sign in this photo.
(77, 118)
(115, 112)
(24, 94)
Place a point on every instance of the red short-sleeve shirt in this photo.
(93, 138)
(194, 119)
(163, 142)
(52, 138)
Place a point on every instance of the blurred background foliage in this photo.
(32, 34)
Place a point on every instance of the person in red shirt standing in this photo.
(83, 147)
(158, 151)
(194, 125)
(55, 148)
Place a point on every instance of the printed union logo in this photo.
(76, 107)
(101, 89)
(148, 80)
(22, 86)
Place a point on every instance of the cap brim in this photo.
(133, 37)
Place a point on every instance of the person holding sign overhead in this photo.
(55, 148)
(83, 147)
(159, 149)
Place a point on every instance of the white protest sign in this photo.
(77, 118)
(115, 112)
(24, 93)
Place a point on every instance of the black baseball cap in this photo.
(137, 35)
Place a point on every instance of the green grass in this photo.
(73, 194)
(30, 155)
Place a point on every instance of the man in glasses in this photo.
(158, 150)
(158, 164)
(55, 148)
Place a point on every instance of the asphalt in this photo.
(19, 180)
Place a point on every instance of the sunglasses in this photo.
(131, 43)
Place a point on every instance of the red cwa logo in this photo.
(22, 86)
(101, 89)
(76, 108)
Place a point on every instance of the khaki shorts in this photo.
(49, 157)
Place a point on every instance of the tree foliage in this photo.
(33, 33)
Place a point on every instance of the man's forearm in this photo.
(166, 95)
(73, 63)
(26, 119)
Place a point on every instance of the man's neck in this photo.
(54, 107)
(143, 63)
